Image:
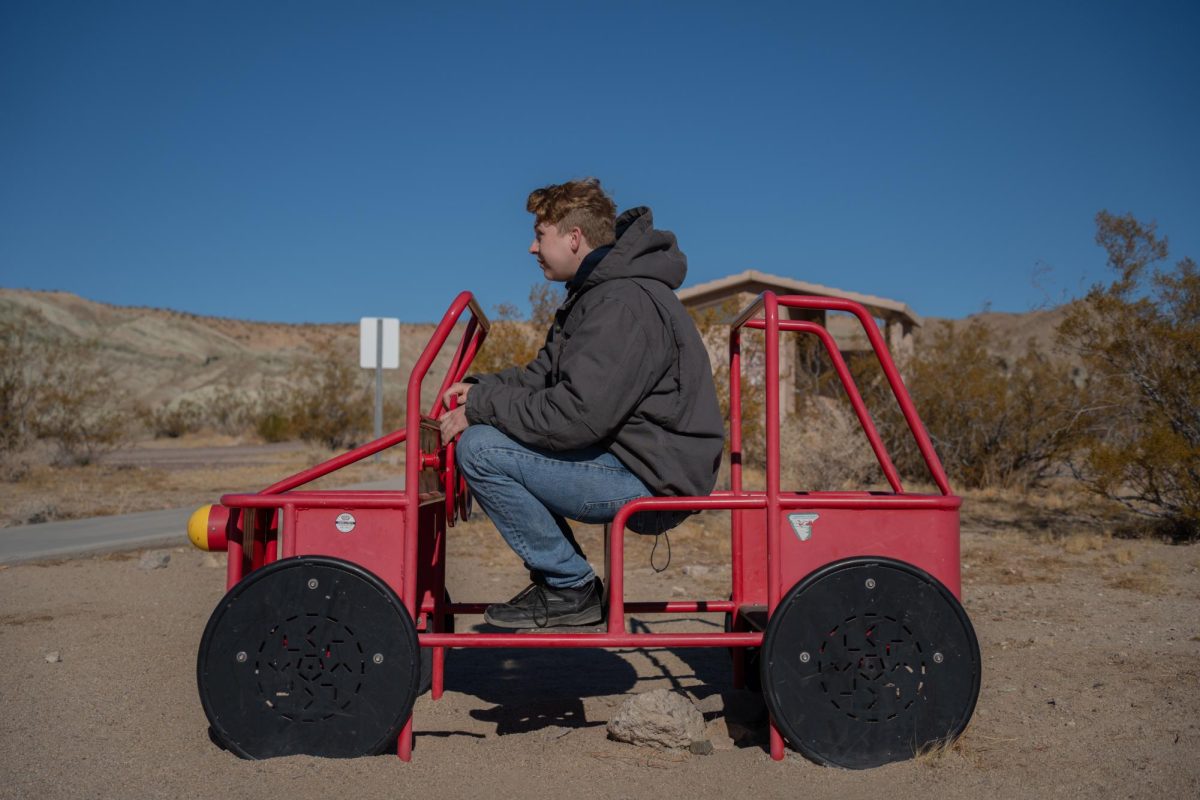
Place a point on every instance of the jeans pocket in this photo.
(603, 510)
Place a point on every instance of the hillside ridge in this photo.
(162, 354)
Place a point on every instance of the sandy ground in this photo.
(1090, 650)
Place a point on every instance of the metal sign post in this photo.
(379, 347)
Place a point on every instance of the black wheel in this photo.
(868, 661)
(426, 681)
(308, 656)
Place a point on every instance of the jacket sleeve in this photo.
(532, 375)
(609, 365)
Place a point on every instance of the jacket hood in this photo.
(641, 251)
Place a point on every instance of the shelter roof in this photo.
(756, 282)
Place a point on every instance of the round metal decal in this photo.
(345, 522)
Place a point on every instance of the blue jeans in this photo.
(529, 494)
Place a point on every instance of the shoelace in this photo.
(539, 592)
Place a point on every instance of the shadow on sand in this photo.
(531, 689)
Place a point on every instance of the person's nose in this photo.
(533, 248)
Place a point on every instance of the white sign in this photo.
(369, 341)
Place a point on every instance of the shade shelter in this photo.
(896, 319)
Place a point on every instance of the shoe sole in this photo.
(589, 616)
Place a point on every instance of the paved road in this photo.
(177, 458)
(79, 537)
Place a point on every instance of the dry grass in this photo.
(1123, 556)
(1079, 543)
(1144, 582)
(1150, 577)
(1058, 513)
(1012, 559)
(948, 753)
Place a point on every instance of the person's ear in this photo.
(576, 239)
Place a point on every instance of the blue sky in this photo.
(321, 161)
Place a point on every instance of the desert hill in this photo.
(1012, 332)
(160, 355)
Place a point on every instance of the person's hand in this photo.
(457, 393)
(453, 423)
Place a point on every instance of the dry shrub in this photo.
(823, 448)
(395, 407)
(225, 410)
(272, 414)
(81, 409)
(992, 423)
(55, 390)
(513, 341)
(176, 419)
(228, 411)
(1139, 337)
(18, 390)
(327, 402)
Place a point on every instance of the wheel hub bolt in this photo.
(312, 583)
(377, 658)
(938, 658)
(870, 583)
(804, 657)
(241, 656)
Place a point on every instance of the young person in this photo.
(618, 404)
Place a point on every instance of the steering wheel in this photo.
(454, 484)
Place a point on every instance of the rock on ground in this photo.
(154, 559)
(660, 718)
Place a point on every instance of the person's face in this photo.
(557, 253)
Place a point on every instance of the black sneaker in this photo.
(539, 606)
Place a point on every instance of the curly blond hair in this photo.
(576, 204)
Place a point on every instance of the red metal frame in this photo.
(759, 554)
